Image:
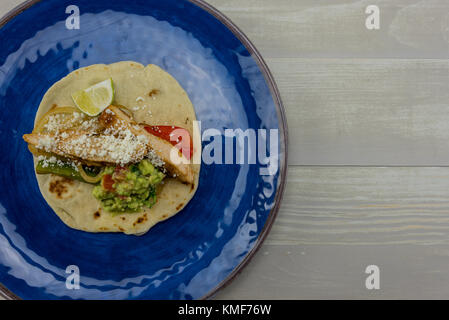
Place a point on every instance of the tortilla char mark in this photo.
(60, 186)
(140, 219)
(153, 92)
(97, 214)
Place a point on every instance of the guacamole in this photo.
(128, 189)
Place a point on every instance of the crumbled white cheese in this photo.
(46, 143)
(116, 144)
(155, 159)
(59, 122)
(46, 161)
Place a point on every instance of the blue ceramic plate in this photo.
(189, 256)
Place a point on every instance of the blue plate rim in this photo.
(283, 135)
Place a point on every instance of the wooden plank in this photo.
(365, 111)
(336, 28)
(338, 272)
(8, 5)
(335, 221)
(364, 206)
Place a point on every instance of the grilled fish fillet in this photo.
(90, 147)
(113, 117)
(107, 148)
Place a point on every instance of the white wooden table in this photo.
(368, 116)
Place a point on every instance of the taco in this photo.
(120, 167)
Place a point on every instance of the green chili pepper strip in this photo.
(64, 170)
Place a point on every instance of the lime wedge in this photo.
(96, 98)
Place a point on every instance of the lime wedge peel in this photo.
(93, 100)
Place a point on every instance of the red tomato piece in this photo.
(119, 173)
(107, 182)
(177, 136)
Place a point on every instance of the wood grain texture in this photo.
(356, 96)
(338, 272)
(366, 111)
(364, 206)
(335, 221)
(336, 28)
(7, 5)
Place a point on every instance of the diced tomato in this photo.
(119, 168)
(119, 173)
(107, 182)
(177, 136)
